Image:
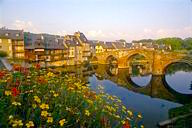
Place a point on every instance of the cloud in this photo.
(61, 33)
(95, 33)
(166, 32)
(25, 25)
(146, 30)
(1, 25)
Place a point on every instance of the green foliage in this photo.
(178, 67)
(47, 99)
(176, 43)
(3, 54)
(187, 43)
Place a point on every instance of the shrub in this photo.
(39, 98)
(3, 54)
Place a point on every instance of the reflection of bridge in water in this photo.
(156, 61)
(157, 87)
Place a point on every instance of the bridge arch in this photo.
(176, 61)
(94, 60)
(112, 70)
(124, 61)
(169, 85)
(111, 59)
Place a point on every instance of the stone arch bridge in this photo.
(157, 61)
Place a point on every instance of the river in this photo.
(152, 96)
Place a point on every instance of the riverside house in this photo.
(78, 47)
(12, 42)
(104, 47)
(45, 49)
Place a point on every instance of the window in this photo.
(19, 55)
(9, 40)
(17, 34)
(10, 48)
(19, 49)
(0, 40)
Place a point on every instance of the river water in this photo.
(152, 96)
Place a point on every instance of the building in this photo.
(93, 44)
(12, 42)
(104, 47)
(74, 50)
(86, 49)
(45, 49)
(78, 47)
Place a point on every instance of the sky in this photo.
(105, 20)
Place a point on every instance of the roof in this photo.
(45, 41)
(30, 39)
(92, 43)
(81, 36)
(71, 41)
(109, 45)
(128, 45)
(11, 34)
(119, 45)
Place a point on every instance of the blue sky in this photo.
(100, 19)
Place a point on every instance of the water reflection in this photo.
(179, 78)
(153, 96)
(141, 81)
(165, 87)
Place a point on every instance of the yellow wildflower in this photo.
(130, 113)
(10, 117)
(44, 106)
(17, 123)
(70, 89)
(30, 124)
(123, 107)
(34, 106)
(52, 91)
(8, 93)
(68, 109)
(90, 101)
(87, 113)
(49, 119)
(123, 122)
(44, 113)
(37, 99)
(16, 103)
(117, 116)
(142, 126)
(62, 122)
(139, 116)
(50, 74)
(55, 94)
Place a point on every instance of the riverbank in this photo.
(38, 97)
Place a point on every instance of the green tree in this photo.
(3, 54)
(176, 43)
(187, 43)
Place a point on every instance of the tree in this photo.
(187, 43)
(3, 54)
(176, 43)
